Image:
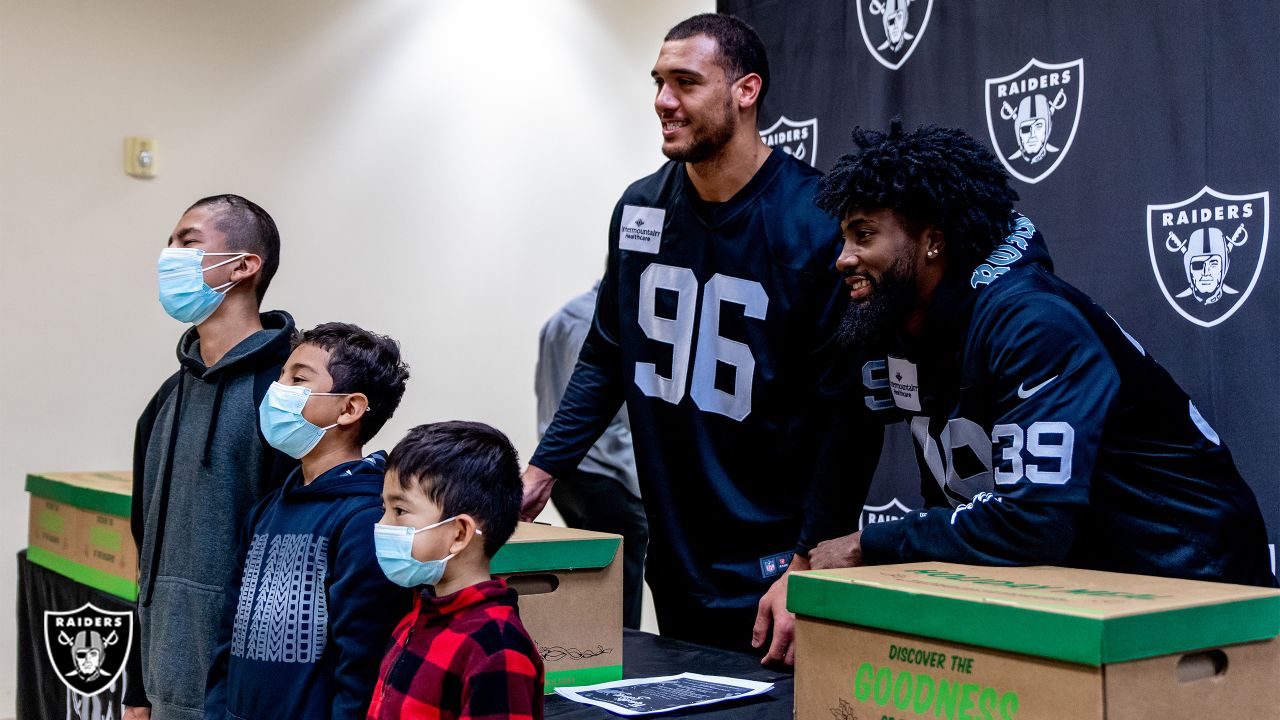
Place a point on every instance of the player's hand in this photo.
(136, 713)
(841, 552)
(772, 614)
(537, 491)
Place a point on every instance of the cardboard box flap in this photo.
(104, 492)
(535, 547)
(1080, 616)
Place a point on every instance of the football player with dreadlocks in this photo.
(1045, 433)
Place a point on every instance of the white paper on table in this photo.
(645, 696)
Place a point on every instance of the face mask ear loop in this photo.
(224, 262)
(224, 288)
(435, 525)
(330, 427)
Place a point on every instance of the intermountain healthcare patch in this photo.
(1207, 251)
(88, 646)
(641, 229)
(1029, 113)
(797, 139)
(893, 29)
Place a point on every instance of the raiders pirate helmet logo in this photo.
(1032, 116)
(88, 646)
(891, 29)
(1207, 251)
(797, 139)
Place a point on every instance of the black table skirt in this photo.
(646, 655)
(41, 695)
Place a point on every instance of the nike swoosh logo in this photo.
(1024, 394)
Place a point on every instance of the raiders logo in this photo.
(1207, 251)
(892, 510)
(1032, 116)
(88, 646)
(893, 29)
(797, 139)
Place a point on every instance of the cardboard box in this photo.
(570, 585)
(938, 640)
(79, 527)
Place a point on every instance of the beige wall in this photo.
(441, 171)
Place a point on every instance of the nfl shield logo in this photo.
(797, 139)
(1207, 251)
(892, 510)
(88, 646)
(1032, 116)
(892, 28)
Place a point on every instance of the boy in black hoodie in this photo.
(309, 614)
(199, 462)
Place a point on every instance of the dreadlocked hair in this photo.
(933, 176)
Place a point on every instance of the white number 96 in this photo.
(710, 347)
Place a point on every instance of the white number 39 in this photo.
(1011, 468)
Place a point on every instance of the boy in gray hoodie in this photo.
(200, 462)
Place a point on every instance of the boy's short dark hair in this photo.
(248, 228)
(464, 467)
(364, 362)
(741, 51)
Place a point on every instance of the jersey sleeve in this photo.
(852, 412)
(595, 391)
(1051, 384)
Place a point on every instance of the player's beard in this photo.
(873, 320)
(707, 139)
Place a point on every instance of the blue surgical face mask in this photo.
(393, 544)
(183, 291)
(281, 421)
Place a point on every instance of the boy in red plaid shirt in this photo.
(451, 498)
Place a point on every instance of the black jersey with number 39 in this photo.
(708, 324)
(1047, 435)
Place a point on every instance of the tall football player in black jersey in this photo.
(719, 296)
(1045, 433)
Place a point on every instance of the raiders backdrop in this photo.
(1144, 139)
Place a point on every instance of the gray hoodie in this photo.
(200, 465)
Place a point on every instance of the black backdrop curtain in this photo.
(1144, 139)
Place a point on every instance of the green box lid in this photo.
(535, 547)
(1080, 616)
(104, 492)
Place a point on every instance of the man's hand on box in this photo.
(841, 552)
(772, 614)
(537, 491)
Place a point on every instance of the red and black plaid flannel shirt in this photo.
(463, 656)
